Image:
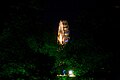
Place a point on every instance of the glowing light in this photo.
(61, 39)
(61, 75)
(70, 73)
(63, 32)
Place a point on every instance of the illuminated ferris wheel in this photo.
(63, 32)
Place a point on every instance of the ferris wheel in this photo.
(63, 32)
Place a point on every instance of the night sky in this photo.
(96, 17)
(98, 20)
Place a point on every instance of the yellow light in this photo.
(61, 40)
(70, 73)
(63, 28)
(61, 75)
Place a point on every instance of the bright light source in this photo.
(70, 72)
(63, 32)
(72, 75)
(61, 75)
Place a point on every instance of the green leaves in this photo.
(13, 68)
(32, 43)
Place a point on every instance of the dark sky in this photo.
(97, 18)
